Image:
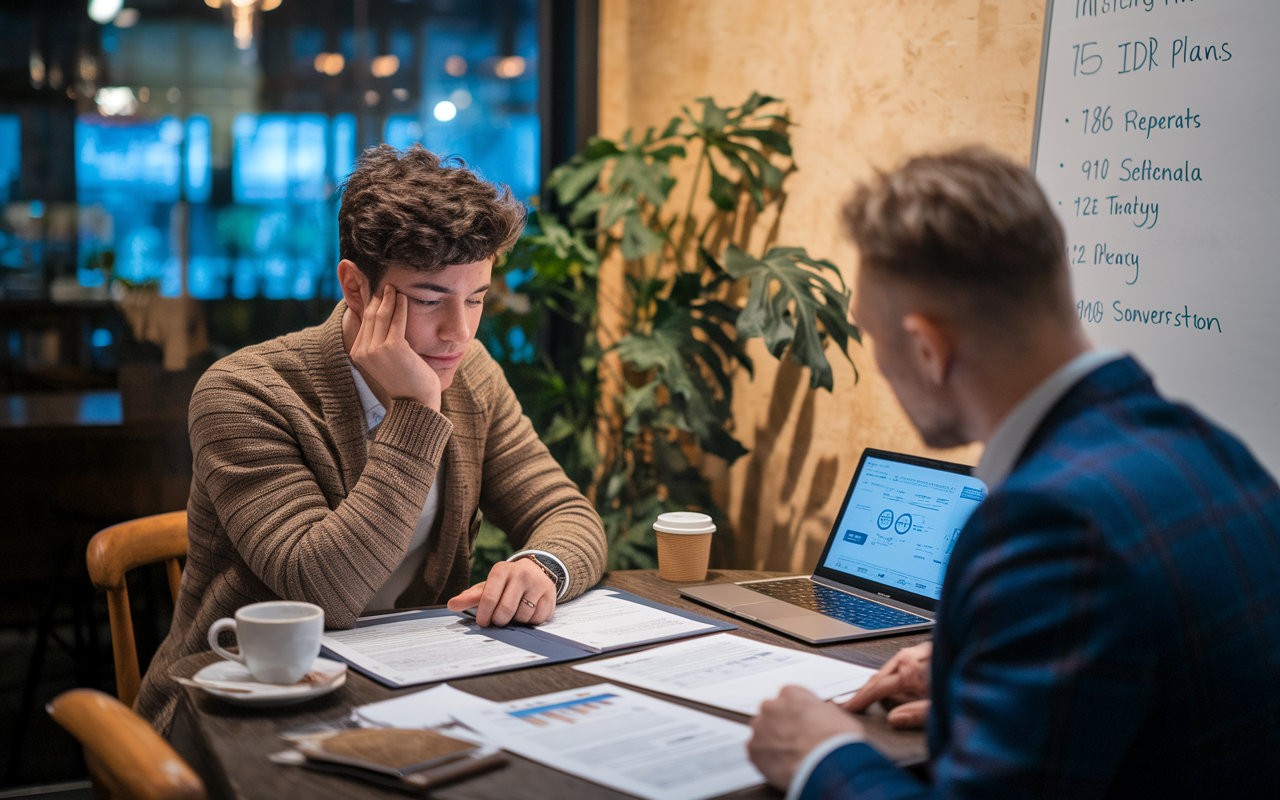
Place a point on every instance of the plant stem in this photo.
(693, 192)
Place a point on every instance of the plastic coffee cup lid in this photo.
(689, 522)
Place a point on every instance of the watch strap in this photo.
(550, 567)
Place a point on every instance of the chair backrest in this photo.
(126, 757)
(112, 553)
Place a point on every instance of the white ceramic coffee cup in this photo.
(279, 640)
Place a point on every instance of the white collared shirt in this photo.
(1015, 430)
(415, 557)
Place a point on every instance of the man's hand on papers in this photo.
(789, 727)
(384, 355)
(499, 599)
(903, 684)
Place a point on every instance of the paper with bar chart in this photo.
(624, 740)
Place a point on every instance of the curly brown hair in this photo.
(414, 209)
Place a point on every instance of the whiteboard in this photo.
(1158, 143)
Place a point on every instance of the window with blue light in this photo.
(198, 177)
(279, 238)
(343, 140)
(220, 179)
(478, 104)
(128, 160)
(128, 178)
(10, 156)
(280, 157)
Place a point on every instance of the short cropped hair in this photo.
(969, 224)
(413, 209)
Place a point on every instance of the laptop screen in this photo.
(898, 525)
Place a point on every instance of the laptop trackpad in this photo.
(765, 609)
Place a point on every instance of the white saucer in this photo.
(232, 682)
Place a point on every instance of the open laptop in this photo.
(881, 570)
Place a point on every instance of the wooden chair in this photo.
(126, 757)
(112, 553)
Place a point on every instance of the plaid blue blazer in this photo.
(1109, 624)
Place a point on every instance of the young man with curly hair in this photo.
(349, 464)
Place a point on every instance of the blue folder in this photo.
(552, 648)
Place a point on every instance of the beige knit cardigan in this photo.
(290, 499)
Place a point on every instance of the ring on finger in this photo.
(525, 600)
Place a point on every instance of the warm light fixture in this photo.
(244, 17)
(116, 101)
(455, 66)
(330, 63)
(88, 68)
(103, 11)
(445, 111)
(385, 66)
(267, 5)
(36, 65)
(509, 67)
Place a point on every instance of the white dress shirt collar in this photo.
(1015, 430)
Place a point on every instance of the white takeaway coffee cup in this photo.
(684, 545)
(278, 640)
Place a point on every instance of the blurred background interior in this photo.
(168, 194)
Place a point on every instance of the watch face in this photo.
(549, 564)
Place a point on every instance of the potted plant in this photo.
(632, 404)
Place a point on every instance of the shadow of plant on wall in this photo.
(632, 395)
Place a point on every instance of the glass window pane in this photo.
(10, 156)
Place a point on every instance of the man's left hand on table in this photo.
(788, 727)
(516, 591)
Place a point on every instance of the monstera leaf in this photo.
(691, 367)
(719, 128)
(640, 180)
(786, 302)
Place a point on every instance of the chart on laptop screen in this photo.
(901, 523)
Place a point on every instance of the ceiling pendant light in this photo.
(244, 17)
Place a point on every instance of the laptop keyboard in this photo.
(833, 603)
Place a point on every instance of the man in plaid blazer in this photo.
(1109, 624)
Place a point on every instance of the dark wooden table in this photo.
(228, 745)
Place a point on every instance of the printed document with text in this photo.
(624, 740)
(730, 672)
(426, 650)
